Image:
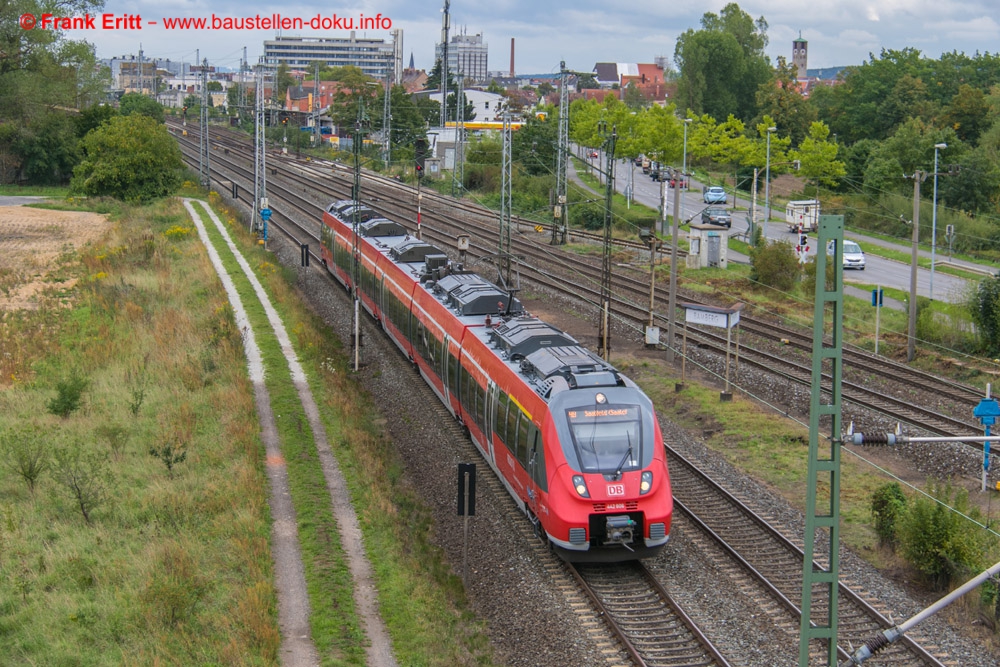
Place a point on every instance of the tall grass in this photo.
(175, 571)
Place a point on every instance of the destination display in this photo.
(609, 413)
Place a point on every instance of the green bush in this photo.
(69, 396)
(888, 504)
(985, 308)
(131, 158)
(774, 264)
(937, 541)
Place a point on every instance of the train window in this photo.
(500, 416)
(481, 407)
(513, 412)
(603, 436)
(467, 392)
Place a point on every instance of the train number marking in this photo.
(616, 489)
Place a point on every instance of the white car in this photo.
(714, 195)
(854, 256)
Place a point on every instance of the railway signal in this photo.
(802, 248)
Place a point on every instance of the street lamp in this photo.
(767, 183)
(934, 213)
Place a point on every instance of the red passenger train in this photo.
(576, 443)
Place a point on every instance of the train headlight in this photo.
(581, 486)
(646, 483)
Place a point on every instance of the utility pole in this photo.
(204, 167)
(140, 68)
(445, 24)
(387, 120)
(244, 66)
(315, 108)
(259, 164)
(604, 329)
(560, 212)
(911, 340)
(503, 252)
(672, 293)
(360, 129)
(458, 171)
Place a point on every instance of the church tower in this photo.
(799, 56)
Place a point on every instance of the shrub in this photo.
(888, 504)
(131, 158)
(25, 454)
(774, 264)
(85, 477)
(985, 307)
(69, 396)
(115, 435)
(936, 540)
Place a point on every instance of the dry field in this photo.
(31, 240)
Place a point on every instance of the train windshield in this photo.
(607, 438)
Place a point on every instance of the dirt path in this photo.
(290, 595)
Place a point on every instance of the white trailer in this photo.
(802, 215)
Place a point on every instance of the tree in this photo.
(985, 309)
(42, 73)
(545, 88)
(407, 124)
(723, 65)
(779, 98)
(85, 477)
(214, 86)
(25, 454)
(132, 158)
(134, 103)
(633, 97)
(818, 157)
(354, 86)
(534, 145)
(587, 82)
(283, 81)
(967, 113)
(92, 117)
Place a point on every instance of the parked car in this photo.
(854, 256)
(715, 195)
(717, 215)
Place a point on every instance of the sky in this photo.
(581, 32)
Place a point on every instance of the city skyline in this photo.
(583, 32)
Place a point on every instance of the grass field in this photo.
(172, 564)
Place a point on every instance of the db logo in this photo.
(616, 489)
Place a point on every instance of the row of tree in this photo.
(885, 115)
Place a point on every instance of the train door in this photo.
(491, 413)
(537, 482)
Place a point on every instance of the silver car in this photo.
(854, 256)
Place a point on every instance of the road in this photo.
(879, 271)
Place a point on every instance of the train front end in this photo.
(609, 495)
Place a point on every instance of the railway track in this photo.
(717, 514)
(317, 184)
(761, 560)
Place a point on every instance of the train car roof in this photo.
(548, 359)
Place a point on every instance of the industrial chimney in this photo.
(512, 57)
